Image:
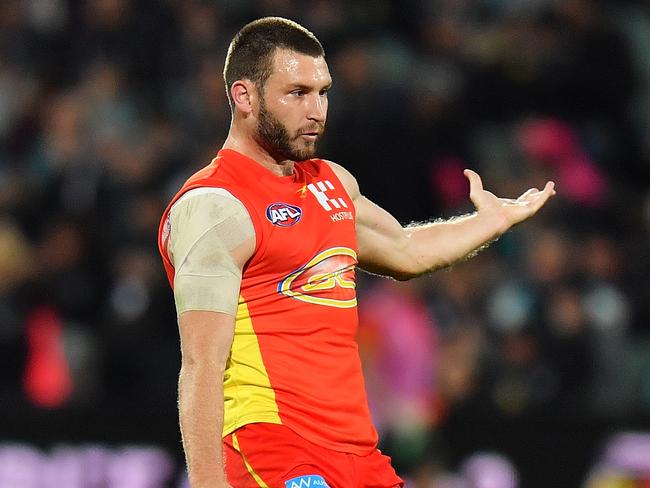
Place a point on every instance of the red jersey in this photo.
(294, 359)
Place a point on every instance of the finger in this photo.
(528, 193)
(475, 183)
(533, 194)
(542, 197)
(550, 187)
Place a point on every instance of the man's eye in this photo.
(299, 93)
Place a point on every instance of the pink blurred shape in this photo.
(448, 181)
(555, 144)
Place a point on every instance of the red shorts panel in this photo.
(270, 455)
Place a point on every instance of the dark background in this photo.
(538, 350)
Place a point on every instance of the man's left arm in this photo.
(387, 248)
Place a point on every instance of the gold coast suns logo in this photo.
(327, 279)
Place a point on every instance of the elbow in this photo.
(408, 271)
(416, 267)
(410, 268)
(404, 275)
(196, 367)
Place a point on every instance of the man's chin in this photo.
(303, 153)
(307, 155)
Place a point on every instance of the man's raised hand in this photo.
(510, 210)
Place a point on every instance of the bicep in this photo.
(382, 241)
(383, 244)
(209, 277)
(212, 237)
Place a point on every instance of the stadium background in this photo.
(528, 366)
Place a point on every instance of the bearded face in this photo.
(282, 143)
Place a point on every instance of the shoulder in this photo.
(347, 179)
(209, 205)
(212, 216)
(206, 195)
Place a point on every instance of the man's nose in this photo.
(317, 109)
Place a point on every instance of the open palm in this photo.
(513, 211)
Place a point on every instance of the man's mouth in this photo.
(310, 136)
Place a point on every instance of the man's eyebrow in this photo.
(301, 86)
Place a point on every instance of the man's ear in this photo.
(244, 96)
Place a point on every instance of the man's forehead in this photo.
(292, 66)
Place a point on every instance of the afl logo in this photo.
(283, 214)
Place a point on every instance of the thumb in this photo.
(475, 183)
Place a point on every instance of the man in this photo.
(260, 247)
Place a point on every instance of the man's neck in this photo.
(247, 146)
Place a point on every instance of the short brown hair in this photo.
(250, 53)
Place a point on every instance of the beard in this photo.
(274, 136)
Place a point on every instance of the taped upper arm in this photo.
(211, 238)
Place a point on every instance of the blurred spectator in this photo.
(487, 470)
(398, 346)
(554, 144)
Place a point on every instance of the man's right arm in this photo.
(211, 239)
(205, 345)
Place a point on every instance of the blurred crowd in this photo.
(106, 106)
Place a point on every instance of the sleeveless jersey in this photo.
(294, 359)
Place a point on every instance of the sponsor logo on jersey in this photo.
(302, 191)
(327, 279)
(320, 189)
(306, 481)
(283, 214)
(338, 216)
